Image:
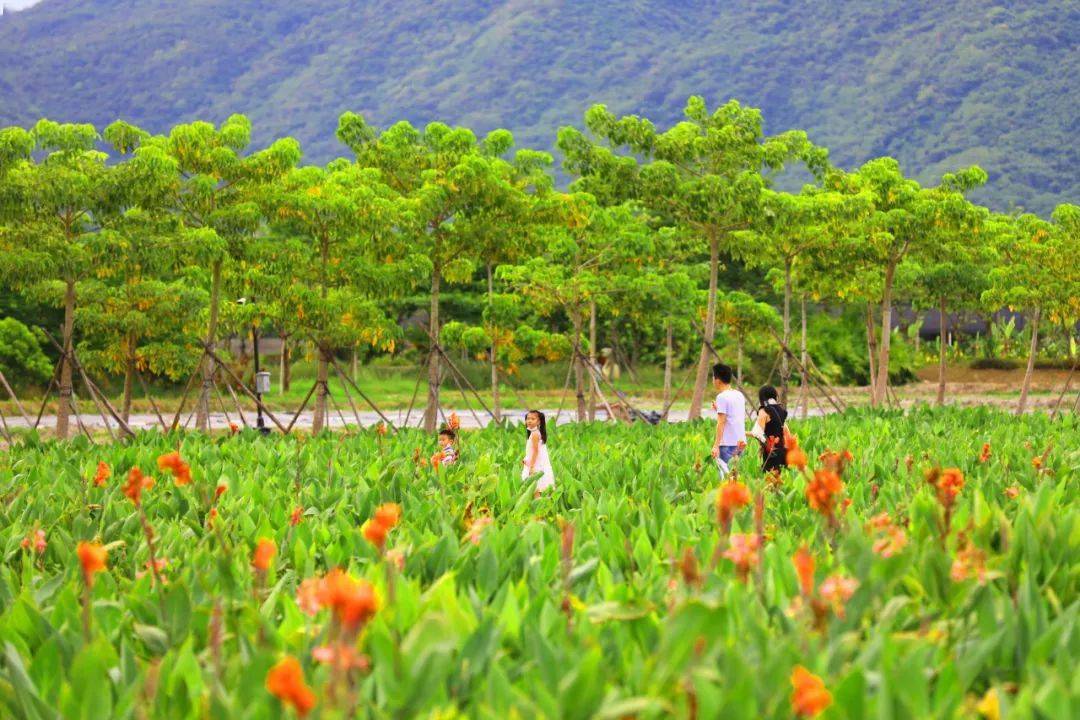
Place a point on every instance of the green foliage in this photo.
(22, 359)
(493, 628)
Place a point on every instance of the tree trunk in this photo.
(495, 409)
(431, 414)
(669, 361)
(286, 365)
(882, 388)
(592, 357)
(321, 393)
(1026, 388)
(202, 411)
(129, 378)
(63, 411)
(871, 351)
(738, 359)
(941, 352)
(579, 369)
(785, 368)
(804, 376)
(702, 379)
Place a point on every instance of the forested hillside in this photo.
(937, 85)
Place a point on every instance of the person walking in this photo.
(730, 405)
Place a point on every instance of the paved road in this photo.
(220, 421)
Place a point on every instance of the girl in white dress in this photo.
(536, 453)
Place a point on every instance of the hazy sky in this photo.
(18, 4)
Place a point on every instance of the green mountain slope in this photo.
(935, 84)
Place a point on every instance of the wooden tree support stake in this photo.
(273, 418)
(153, 404)
(15, 398)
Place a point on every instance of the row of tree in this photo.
(141, 245)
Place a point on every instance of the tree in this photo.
(449, 186)
(334, 263)
(793, 227)
(905, 221)
(1044, 255)
(58, 204)
(567, 277)
(744, 316)
(951, 276)
(704, 176)
(215, 191)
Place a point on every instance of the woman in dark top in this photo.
(769, 429)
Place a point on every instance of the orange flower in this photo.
(285, 681)
(136, 483)
(808, 696)
(822, 490)
(948, 484)
(970, 562)
(220, 490)
(352, 602)
(453, 422)
(837, 590)
(743, 552)
(388, 515)
(396, 558)
(476, 529)
(92, 556)
(985, 454)
(731, 496)
(1036, 462)
(211, 517)
(796, 458)
(1012, 492)
(892, 543)
(436, 459)
(381, 429)
(103, 473)
(880, 521)
(234, 428)
(264, 554)
(804, 568)
(375, 533)
(180, 470)
(341, 656)
(297, 516)
(307, 596)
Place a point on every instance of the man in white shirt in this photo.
(730, 419)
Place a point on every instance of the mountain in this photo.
(937, 85)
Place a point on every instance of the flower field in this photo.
(928, 571)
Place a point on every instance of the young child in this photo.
(447, 449)
(770, 430)
(536, 453)
(730, 420)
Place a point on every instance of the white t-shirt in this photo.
(732, 404)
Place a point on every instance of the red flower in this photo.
(36, 540)
(297, 516)
(220, 490)
(985, 454)
(948, 484)
(92, 556)
(808, 696)
(285, 681)
(234, 428)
